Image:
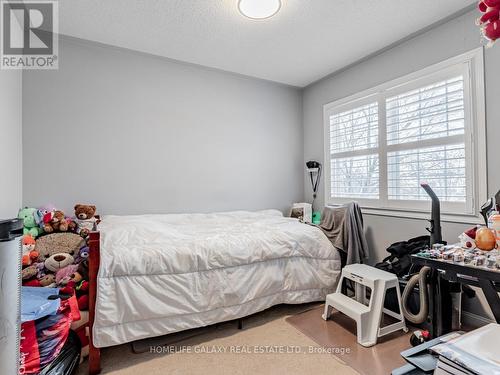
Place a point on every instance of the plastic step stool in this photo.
(367, 314)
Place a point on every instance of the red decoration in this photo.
(490, 20)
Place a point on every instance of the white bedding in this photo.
(161, 274)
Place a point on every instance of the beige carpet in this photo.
(268, 328)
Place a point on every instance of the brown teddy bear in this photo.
(57, 250)
(29, 272)
(85, 218)
(55, 222)
(48, 281)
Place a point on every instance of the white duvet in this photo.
(161, 274)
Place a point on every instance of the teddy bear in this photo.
(55, 222)
(77, 277)
(46, 210)
(41, 269)
(57, 250)
(57, 261)
(31, 218)
(67, 274)
(29, 253)
(82, 255)
(48, 281)
(74, 284)
(85, 218)
(29, 273)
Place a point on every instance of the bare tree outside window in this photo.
(434, 111)
(428, 126)
(354, 130)
(431, 112)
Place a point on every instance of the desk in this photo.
(443, 273)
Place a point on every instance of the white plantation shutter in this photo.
(434, 112)
(381, 145)
(355, 177)
(355, 130)
(443, 167)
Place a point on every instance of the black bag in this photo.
(68, 359)
(399, 262)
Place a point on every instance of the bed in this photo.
(160, 274)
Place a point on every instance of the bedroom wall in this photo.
(10, 143)
(134, 133)
(450, 39)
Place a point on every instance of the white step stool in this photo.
(368, 315)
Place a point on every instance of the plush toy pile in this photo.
(55, 251)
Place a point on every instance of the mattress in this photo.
(161, 274)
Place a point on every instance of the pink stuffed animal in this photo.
(64, 275)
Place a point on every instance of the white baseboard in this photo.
(474, 320)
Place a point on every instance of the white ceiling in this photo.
(305, 41)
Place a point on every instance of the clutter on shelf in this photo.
(478, 247)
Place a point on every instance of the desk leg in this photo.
(491, 296)
(443, 307)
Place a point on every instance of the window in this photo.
(426, 127)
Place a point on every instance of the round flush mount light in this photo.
(259, 9)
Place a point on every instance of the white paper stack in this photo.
(446, 367)
(476, 352)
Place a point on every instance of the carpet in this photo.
(144, 346)
(340, 333)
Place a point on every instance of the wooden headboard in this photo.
(94, 242)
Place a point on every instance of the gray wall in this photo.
(134, 133)
(10, 143)
(450, 39)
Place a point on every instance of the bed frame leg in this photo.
(94, 359)
(94, 262)
(240, 323)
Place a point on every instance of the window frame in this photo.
(471, 66)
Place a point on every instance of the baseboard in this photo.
(474, 320)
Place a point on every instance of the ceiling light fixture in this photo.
(259, 9)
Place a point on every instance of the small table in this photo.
(443, 273)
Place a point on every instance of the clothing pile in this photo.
(46, 318)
